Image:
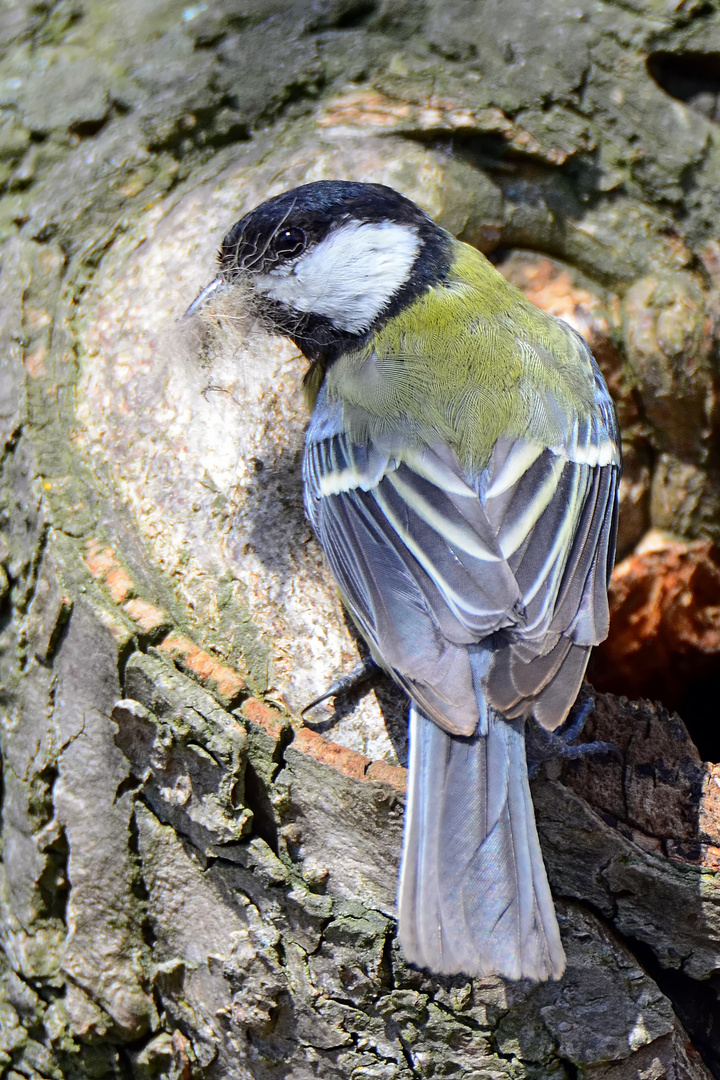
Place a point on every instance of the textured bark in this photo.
(193, 884)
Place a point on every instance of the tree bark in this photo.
(194, 883)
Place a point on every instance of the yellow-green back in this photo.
(469, 361)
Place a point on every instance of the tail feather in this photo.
(474, 896)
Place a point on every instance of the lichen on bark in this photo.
(192, 884)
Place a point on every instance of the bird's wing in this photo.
(419, 602)
(433, 563)
(556, 525)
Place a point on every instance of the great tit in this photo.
(460, 472)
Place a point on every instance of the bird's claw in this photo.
(578, 718)
(345, 684)
(544, 745)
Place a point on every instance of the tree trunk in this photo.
(194, 883)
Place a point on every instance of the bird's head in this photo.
(327, 263)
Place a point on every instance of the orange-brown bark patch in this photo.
(665, 621)
(223, 681)
(99, 560)
(119, 583)
(270, 720)
(147, 616)
(394, 775)
(341, 758)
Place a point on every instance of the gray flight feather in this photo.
(473, 892)
(482, 595)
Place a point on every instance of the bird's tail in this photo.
(474, 896)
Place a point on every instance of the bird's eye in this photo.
(288, 243)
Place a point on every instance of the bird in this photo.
(460, 471)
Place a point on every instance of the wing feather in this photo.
(432, 560)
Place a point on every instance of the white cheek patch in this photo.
(350, 276)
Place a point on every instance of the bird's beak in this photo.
(215, 286)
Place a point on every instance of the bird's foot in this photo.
(345, 684)
(543, 745)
